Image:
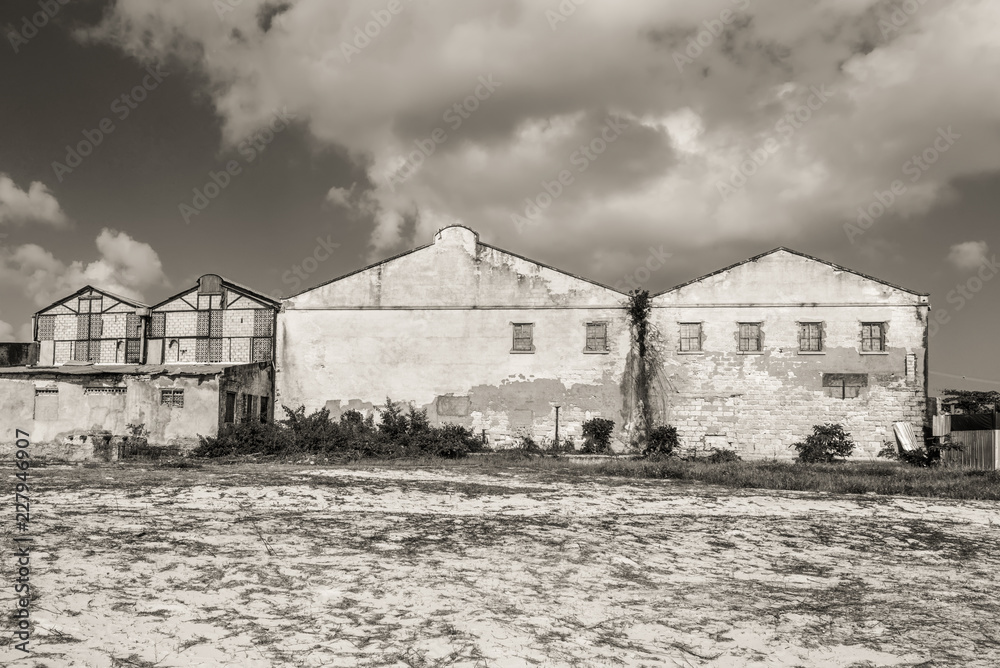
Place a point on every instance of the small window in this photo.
(46, 327)
(172, 397)
(247, 412)
(157, 325)
(597, 337)
(844, 385)
(810, 337)
(103, 389)
(750, 337)
(264, 405)
(523, 342)
(46, 403)
(873, 337)
(690, 340)
(230, 416)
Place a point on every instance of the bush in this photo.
(661, 441)
(723, 456)
(597, 436)
(827, 442)
(399, 434)
(927, 455)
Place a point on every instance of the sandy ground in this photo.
(233, 566)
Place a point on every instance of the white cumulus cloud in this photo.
(969, 255)
(34, 205)
(125, 266)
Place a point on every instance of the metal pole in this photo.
(557, 426)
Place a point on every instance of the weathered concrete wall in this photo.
(761, 403)
(434, 327)
(255, 380)
(18, 354)
(66, 411)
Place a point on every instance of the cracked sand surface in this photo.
(294, 566)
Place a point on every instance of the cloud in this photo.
(890, 87)
(969, 255)
(6, 331)
(36, 205)
(126, 267)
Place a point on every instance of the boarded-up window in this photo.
(597, 337)
(873, 337)
(750, 337)
(262, 322)
(210, 284)
(172, 397)
(690, 340)
(46, 403)
(157, 325)
(261, 350)
(523, 337)
(46, 327)
(844, 385)
(810, 337)
(248, 408)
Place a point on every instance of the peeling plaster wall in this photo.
(760, 404)
(78, 413)
(434, 327)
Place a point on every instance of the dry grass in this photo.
(474, 564)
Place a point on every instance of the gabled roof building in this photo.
(747, 358)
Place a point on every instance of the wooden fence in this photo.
(979, 449)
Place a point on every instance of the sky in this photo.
(144, 143)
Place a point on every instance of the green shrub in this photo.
(827, 442)
(597, 435)
(661, 441)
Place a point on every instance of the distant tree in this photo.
(972, 401)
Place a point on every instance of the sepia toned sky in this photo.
(281, 144)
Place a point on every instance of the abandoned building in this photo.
(198, 360)
(749, 357)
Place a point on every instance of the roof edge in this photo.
(800, 254)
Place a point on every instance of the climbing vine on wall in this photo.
(643, 365)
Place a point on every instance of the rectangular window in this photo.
(262, 322)
(261, 350)
(132, 351)
(88, 335)
(597, 337)
(103, 389)
(46, 327)
(264, 406)
(750, 337)
(844, 385)
(810, 337)
(46, 403)
(873, 337)
(208, 348)
(230, 416)
(86, 351)
(690, 340)
(172, 397)
(247, 408)
(523, 337)
(157, 325)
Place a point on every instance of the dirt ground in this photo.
(248, 566)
